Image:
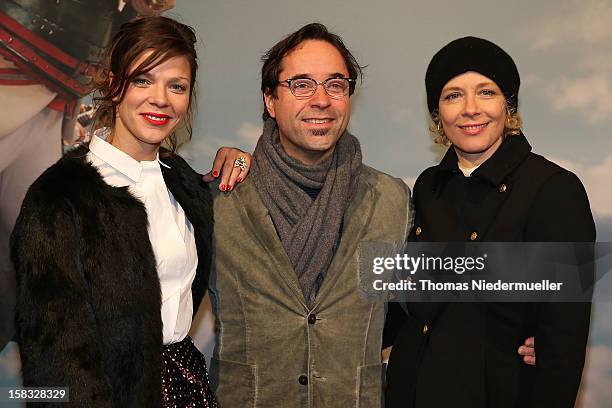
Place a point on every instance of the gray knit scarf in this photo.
(308, 229)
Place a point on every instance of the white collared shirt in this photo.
(467, 171)
(170, 232)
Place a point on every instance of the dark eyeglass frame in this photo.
(288, 82)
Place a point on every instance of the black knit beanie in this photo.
(472, 54)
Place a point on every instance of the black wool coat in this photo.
(88, 313)
(465, 354)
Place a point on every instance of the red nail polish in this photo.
(239, 179)
(215, 173)
(222, 187)
(229, 188)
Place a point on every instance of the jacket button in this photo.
(312, 318)
(303, 379)
(473, 236)
(502, 188)
(425, 329)
(418, 231)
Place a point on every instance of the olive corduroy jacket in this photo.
(272, 350)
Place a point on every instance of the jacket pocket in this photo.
(370, 386)
(234, 383)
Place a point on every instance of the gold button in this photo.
(502, 188)
(418, 231)
(425, 329)
(473, 236)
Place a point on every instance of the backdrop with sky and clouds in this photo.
(563, 49)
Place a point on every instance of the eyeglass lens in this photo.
(334, 87)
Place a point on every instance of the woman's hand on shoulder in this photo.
(231, 165)
(527, 351)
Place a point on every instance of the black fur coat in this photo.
(88, 313)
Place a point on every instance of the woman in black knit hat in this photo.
(489, 187)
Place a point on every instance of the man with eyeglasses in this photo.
(292, 328)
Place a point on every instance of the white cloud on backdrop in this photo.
(590, 95)
(583, 26)
(596, 178)
(203, 149)
(584, 21)
(249, 133)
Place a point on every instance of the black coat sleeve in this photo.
(560, 213)
(56, 327)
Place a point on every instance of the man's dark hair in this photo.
(272, 59)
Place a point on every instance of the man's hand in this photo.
(527, 350)
(226, 166)
(152, 7)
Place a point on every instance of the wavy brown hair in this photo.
(166, 38)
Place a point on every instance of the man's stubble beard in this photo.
(319, 132)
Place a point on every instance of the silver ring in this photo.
(240, 162)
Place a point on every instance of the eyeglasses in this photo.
(306, 87)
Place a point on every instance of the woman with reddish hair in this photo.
(113, 244)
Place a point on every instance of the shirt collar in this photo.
(510, 154)
(117, 159)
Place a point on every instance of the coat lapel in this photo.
(257, 215)
(356, 218)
